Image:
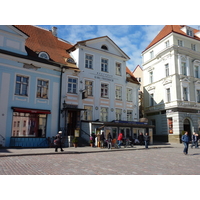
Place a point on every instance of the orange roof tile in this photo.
(132, 77)
(167, 30)
(43, 40)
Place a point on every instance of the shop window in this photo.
(34, 125)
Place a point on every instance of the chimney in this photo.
(54, 31)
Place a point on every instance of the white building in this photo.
(104, 88)
(171, 67)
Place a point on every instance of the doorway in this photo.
(71, 122)
(187, 127)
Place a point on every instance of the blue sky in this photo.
(132, 39)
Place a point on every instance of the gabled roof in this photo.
(170, 29)
(138, 66)
(103, 37)
(132, 77)
(42, 40)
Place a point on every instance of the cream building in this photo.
(171, 74)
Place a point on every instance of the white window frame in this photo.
(129, 96)
(151, 99)
(104, 114)
(118, 114)
(198, 95)
(185, 94)
(104, 64)
(168, 95)
(74, 85)
(180, 43)
(89, 61)
(151, 77)
(184, 68)
(104, 90)
(151, 54)
(167, 44)
(129, 115)
(193, 47)
(167, 69)
(88, 113)
(23, 86)
(118, 68)
(42, 89)
(118, 92)
(89, 87)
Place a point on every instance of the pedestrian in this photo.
(58, 141)
(197, 145)
(102, 139)
(120, 138)
(186, 139)
(109, 140)
(93, 139)
(146, 140)
(194, 140)
(141, 138)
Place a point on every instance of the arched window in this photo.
(70, 60)
(44, 55)
(104, 47)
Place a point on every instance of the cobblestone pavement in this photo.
(157, 161)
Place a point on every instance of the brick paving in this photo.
(154, 161)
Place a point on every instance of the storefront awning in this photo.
(26, 110)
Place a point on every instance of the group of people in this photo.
(186, 140)
(143, 139)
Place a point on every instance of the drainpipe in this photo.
(60, 98)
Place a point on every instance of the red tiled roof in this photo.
(132, 77)
(167, 30)
(43, 40)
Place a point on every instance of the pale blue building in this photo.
(30, 80)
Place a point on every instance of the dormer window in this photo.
(43, 55)
(104, 47)
(190, 32)
(70, 60)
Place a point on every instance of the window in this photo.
(190, 32)
(184, 69)
(29, 124)
(104, 114)
(88, 113)
(104, 90)
(129, 94)
(151, 77)
(104, 47)
(104, 65)
(118, 114)
(167, 69)
(118, 69)
(151, 100)
(89, 87)
(88, 61)
(167, 44)
(43, 55)
(72, 85)
(193, 47)
(198, 96)
(118, 93)
(151, 54)
(139, 79)
(168, 95)
(185, 94)
(21, 85)
(180, 43)
(196, 71)
(42, 89)
(129, 115)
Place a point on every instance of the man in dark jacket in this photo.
(186, 139)
(141, 138)
(194, 140)
(58, 141)
(146, 140)
(109, 140)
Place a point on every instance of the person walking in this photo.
(93, 138)
(109, 140)
(186, 139)
(58, 141)
(102, 139)
(120, 138)
(146, 140)
(194, 140)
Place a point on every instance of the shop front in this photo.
(128, 128)
(29, 127)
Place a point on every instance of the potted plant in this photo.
(75, 141)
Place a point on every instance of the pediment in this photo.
(185, 79)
